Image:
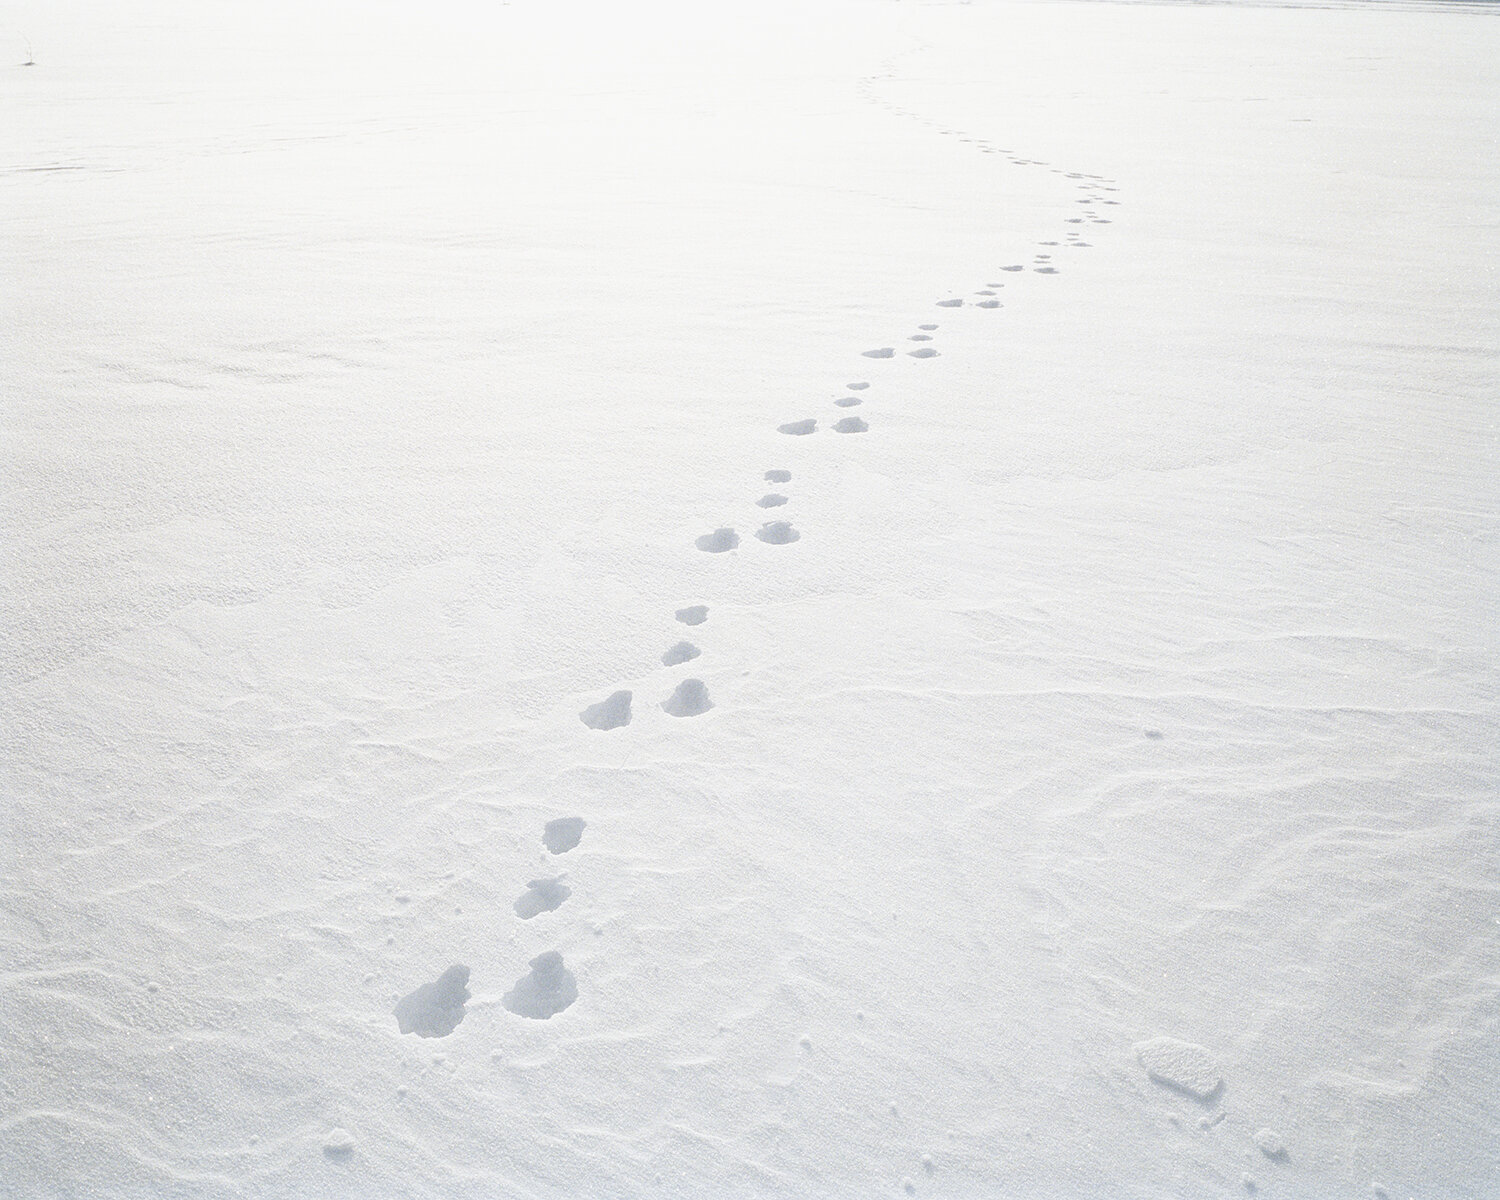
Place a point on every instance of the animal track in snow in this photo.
(545, 992)
(923, 352)
(883, 352)
(680, 653)
(718, 541)
(771, 500)
(920, 337)
(610, 713)
(542, 896)
(848, 401)
(850, 425)
(436, 1008)
(778, 477)
(798, 428)
(689, 699)
(955, 302)
(563, 834)
(859, 387)
(696, 614)
(1015, 267)
(1045, 270)
(779, 533)
(927, 328)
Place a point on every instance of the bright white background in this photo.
(368, 374)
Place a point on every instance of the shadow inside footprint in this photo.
(436, 1008)
(693, 614)
(718, 541)
(680, 653)
(690, 699)
(778, 533)
(851, 425)
(541, 895)
(609, 713)
(563, 834)
(798, 428)
(778, 477)
(771, 500)
(545, 992)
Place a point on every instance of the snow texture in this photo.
(386, 386)
(1182, 1065)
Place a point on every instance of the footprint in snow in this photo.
(436, 1008)
(689, 699)
(989, 304)
(883, 352)
(778, 477)
(1046, 270)
(859, 387)
(923, 352)
(563, 834)
(545, 992)
(849, 425)
(718, 541)
(680, 653)
(696, 614)
(771, 500)
(848, 401)
(927, 328)
(1014, 267)
(798, 428)
(920, 337)
(777, 533)
(541, 896)
(610, 713)
(956, 302)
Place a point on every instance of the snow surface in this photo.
(376, 377)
